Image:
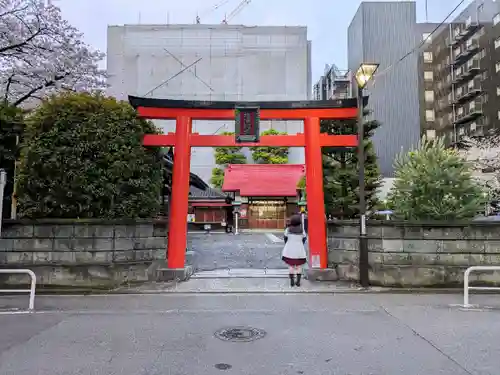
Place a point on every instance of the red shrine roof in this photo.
(263, 180)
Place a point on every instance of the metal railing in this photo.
(31, 290)
(466, 281)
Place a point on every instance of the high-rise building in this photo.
(333, 84)
(462, 73)
(384, 32)
(212, 62)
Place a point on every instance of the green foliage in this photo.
(217, 179)
(223, 157)
(341, 170)
(302, 186)
(11, 130)
(434, 183)
(83, 158)
(11, 126)
(270, 155)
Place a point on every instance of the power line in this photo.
(418, 46)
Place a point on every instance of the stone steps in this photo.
(241, 273)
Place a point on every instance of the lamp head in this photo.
(365, 73)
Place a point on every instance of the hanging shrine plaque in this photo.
(247, 121)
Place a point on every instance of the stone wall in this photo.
(86, 253)
(416, 255)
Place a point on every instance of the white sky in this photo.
(327, 20)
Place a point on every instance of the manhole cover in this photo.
(223, 366)
(241, 334)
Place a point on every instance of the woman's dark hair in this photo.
(295, 221)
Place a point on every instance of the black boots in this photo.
(292, 279)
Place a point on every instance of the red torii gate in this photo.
(184, 112)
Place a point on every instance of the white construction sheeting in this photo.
(238, 63)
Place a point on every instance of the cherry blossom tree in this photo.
(41, 53)
(483, 153)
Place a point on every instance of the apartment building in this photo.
(333, 84)
(382, 32)
(460, 94)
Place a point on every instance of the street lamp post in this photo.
(363, 75)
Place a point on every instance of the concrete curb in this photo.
(122, 291)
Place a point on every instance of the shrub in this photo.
(83, 157)
(434, 183)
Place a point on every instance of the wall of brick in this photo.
(416, 255)
(97, 253)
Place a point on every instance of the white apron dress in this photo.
(294, 252)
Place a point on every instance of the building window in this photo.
(496, 19)
(497, 43)
(429, 96)
(427, 37)
(497, 67)
(428, 57)
(431, 134)
(429, 115)
(498, 91)
(498, 115)
(473, 127)
(428, 75)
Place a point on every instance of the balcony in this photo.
(469, 29)
(472, 68)
(466, 72)
(467, 52)
(458, 75)
(468, 92)
(471, 111)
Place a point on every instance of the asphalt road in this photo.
(246, 250)
(305, 334)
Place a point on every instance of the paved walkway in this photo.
(246, 250)
(311, 334)
(242, 281)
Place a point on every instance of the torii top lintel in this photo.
(165, 109)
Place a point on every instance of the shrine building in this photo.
(267, 193)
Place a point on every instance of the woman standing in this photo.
(294, 252)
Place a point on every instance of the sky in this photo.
(326, 20)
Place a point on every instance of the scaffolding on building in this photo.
(333, 84)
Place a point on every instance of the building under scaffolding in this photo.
(333, 84)
(211, 62)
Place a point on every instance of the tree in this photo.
(434, 183)
(11, 128)
(41, 53)
(83, 158)
(223, 157)
(341, 171)
(483, 154)
(270, 155)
